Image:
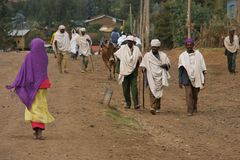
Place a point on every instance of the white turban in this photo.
(155, 43)
(83, 29)
(61, 27)
(130, 38)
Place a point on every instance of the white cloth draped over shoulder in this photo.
(84, 45)
(156, 75)
(128, 60)
(73, 43)
(121, 39)
(231, 47)
(63, 42)
(195, 72)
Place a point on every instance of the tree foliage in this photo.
(169, 23)
(168, 17)
(4, 23)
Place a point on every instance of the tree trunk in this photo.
(146, 23)
(189, 18)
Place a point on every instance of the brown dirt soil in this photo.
(87, 130)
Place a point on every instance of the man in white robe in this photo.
(192, 70)
(121, 39)
(61, 46)
(137, 40)
(231, 44)
(156, 65)
(129, 56)
(84, 44)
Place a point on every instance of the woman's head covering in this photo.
(32, 73)
(155, 43)
(73, 31)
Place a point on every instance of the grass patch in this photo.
(122, 120)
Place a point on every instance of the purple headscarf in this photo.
(32, 73)
(189, 40)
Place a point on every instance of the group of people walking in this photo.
(79, 45)
(32, 81)
(155, 66)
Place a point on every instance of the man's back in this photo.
(114, 37)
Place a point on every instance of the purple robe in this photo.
(32, 73)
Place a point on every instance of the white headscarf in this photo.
(155, 43)
(73, 42)
(82, 29)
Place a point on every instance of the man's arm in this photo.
(166, 66)
(180, 72)
(56, 51)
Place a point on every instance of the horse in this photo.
(107, 50)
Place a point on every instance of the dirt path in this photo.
(86, 130)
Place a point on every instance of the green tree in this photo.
(4, 24)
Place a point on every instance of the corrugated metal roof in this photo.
(20, 32)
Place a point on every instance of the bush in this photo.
(35, 33)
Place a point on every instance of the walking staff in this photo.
(129, 56)
(156, 65)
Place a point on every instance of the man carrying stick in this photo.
(129, 56)
(156, 65)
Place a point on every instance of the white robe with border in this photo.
(73, 43)
(197, 80)
(63, 42)
(156, 75)
(231, 47)
(84, 46)
(128, 60)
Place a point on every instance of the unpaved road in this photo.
(87, 130)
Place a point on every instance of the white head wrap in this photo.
(83, 29)
(155, 43)
(61, 27)
(130, 38)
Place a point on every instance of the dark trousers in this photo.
(231, 60)
(130, 83)
(191, 98)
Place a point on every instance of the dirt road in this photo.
(87, 130)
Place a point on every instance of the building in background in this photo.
(102, 26)
(19, 37)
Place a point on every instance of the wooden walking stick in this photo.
(139, 88)
(90, 57)
(143, 98)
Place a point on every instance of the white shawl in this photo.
(231, 47)
(63, 41)
(156, 75)
(128, 60)
(200, 66)
(73, 43)
(84, 46)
